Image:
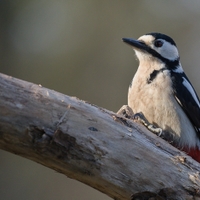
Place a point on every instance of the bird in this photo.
(161, 92)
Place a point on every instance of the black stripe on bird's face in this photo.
(141, 46)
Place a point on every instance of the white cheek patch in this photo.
(191, 90)
(168, 50)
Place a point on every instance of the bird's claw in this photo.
(142, 119)
(127, 112)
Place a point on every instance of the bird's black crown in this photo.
(162, 36)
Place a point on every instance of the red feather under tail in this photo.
(194, 153)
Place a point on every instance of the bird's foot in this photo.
(142, 119)
(127, 112)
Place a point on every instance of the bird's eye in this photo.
(158, 43)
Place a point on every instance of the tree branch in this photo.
(108, 152)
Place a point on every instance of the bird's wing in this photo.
(187, 98)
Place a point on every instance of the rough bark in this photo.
(110, 153)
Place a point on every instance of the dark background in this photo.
(75, 47)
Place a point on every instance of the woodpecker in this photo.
(162, 92)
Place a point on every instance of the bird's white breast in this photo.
(158, 104)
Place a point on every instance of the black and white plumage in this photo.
(162, 92)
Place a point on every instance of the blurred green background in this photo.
(75, 47)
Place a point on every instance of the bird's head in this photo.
(153, 46)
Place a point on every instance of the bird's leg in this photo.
(127, 112)
(142, 119)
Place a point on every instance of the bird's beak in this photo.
(136, 44)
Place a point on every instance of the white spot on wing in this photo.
(178, 100)
(191, 90)
(179, 69)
